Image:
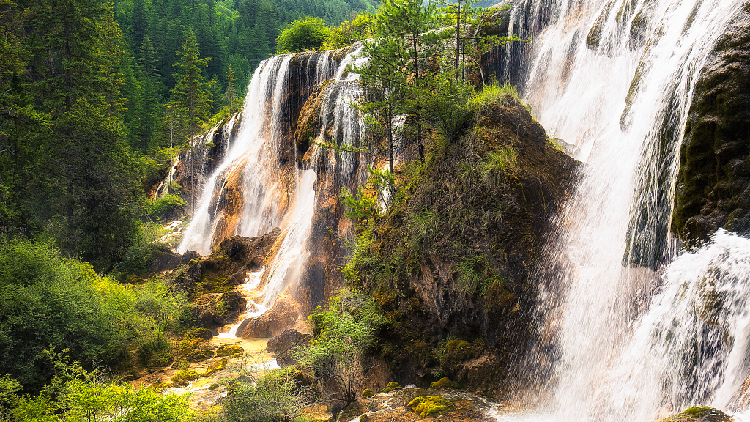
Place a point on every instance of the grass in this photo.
(490, 94)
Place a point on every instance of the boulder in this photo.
(281, 316)
(284, 344)
(700, 414)
(217, 309)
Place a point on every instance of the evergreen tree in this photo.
(191, 97)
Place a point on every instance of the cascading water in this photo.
(637, 337)
(263, 183)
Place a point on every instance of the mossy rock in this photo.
(229, 350)
(392, 386)
(442, 383)
(219, 365)
(367, 393)
(427, 406)
(200, 354)
(459, 351)
(713, 183)
(700, 414)
(182, 378)
(161, 386)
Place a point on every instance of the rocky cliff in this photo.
(713, 185)
(452, 261)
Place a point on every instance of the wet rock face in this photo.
(280, 317)
(713, 185)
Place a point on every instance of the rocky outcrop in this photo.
(451, 263)
(283, 345)
(284, 314)
(700, 414)
(713, 185)
(211, 282)
(217, 309)
(194, 165)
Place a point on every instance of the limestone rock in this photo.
(700, 414)
(216, 309)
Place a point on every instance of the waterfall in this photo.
(270, 179)
(640, 332)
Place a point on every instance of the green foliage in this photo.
(229, 350)
(165, 208)
(182, 378)
(77, 395)
(343, 335)
(363, 205)
(48, 301)
(491, 93)
(443, 382)
(475, 275)
(391, 386)
(422, 226)
(304, 34)
(273, 397)
(349, 32)
(497, 162)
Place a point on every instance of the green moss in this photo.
(219, 365)
(444, 382)
(695, 414)
(229, 350)
(594, 36)
(183, 377)
(427, 406)
(392, 386)
(367, 393)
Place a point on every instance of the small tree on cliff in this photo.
(343, 334)
(394, 78)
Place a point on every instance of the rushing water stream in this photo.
(638, 336)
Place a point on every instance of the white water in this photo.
(631, 343)
(274, 194)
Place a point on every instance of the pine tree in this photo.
(191, 98)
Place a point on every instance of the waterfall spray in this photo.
(615, 78)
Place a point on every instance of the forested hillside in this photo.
(94, 93)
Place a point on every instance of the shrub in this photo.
(343, 335)
(304, 34)
(166, 208)
(76, 394)
(48, 302)
(491, 93)
(349, 32)
(274, 397)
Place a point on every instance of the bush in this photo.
(47, 301)
(269, 398)
(165, 208)
(303, 34)
(343, 335)
(76, 394)
(349, 32)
